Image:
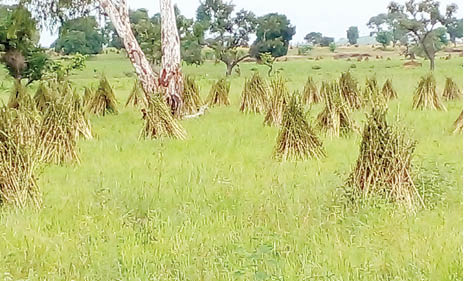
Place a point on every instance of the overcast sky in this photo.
(331, 17)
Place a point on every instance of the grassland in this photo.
(218, 207)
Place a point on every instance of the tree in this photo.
(18, 40)
(273, 35)
(420, 19)
(313, 38)
(378, 23)
(384, 37)
(81, 35)
(352, 34)
(326, 41)
(453, 25)
(226, 32)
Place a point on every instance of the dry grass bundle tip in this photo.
(254, 95)
(43, 97)
(104, 101)
(372, 93)
(349, 91)
(88, 96)
(311, 93)
(191, 97)
(388, 91)
(426, 96)
(383, 167)
(277, 101)
(458, 124)
(451, 91)
(335, 118)
(296, 139)
(19, 97)
(137, 95)
(219, 94)
(159, 121)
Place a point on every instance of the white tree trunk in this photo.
(119, 15)
(171, 74)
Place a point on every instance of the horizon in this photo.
(335, 12)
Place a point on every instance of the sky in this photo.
(330, 17)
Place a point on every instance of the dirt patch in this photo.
(412, 64)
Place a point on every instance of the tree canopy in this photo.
(352, 34)
(81, 35)
(273, 36)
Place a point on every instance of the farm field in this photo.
(218, 206)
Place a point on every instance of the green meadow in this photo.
(217, 206)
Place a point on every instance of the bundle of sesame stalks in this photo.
(451, 91)
(458, 124)
(372, 93)
(349, 91)
(137, 95)
(18, 158)
(254, 95)
(43, 97)
(388, 91)
(20, 98)
(219, 94)
(296, 139)
(87, 98)
(426, 95)
(104, 101)
(159, 121)
(191, 97)
(310, 93)
(58, 134)
(277, 101)
(335, 118)
(383, 167)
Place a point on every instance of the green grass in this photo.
(218, 207)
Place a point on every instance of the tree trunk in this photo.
(230, 67)
(119, 15)
(171, 75)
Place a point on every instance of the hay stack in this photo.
(458, 124)
(88, 96)
(426, 95)
(383, 167)
(58, 134)
(159, 121)
(372, 93)
(310, 93)
(104, 101)
(219, 94)
(277, 101)
(254, 95)
(388, 91)
(43, 97)
(349, 91)
(18, 158)
(296, 139)
(20, 98)
(137, 95)
(451, 91)
(191, 97)
(335, 118)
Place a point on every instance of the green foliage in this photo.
(304, 50)
(384, 37)
(332, 47)
(352, 34)
(313, 38)
(273, 35)
(81, 35)
(60, 71)
(18, 39)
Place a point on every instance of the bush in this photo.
(332, 47)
